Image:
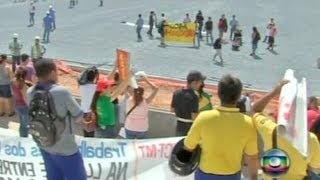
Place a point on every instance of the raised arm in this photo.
(154, 90)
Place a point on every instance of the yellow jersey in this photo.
(224, 135)
(298, 163)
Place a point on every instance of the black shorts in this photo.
(182, 128)
(5, 91)
(271, 40)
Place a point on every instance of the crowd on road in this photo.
(207, 28)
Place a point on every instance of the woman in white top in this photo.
(137, 122)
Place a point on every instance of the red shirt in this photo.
(312, 116)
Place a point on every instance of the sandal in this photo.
(11, 114)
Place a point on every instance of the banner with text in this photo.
(181, 33)
(110, 159)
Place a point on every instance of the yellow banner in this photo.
(180, 33)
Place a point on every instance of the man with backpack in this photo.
(52, 112)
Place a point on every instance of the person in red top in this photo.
(19, 91)
(313, 111)
(222, 26)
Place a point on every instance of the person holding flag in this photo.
(300, 165)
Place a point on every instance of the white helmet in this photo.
(50, 7)
(15, 35)
(37, 38)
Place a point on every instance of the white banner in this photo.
(110, 159)
(292, 114)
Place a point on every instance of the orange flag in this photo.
(123, 62)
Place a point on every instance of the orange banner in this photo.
(123, 61)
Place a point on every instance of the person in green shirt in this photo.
(15, 47)
(102, 104)
(204, 99)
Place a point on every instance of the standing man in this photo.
(37, 50)
(32, 12)
(139, 25)
(209, 29)
(270, 24)
(151, 23)
(62, 160)
(101, 3)
(222, 26)
(272, 35)
(53, 16)
(72, 4)
(185, 103)
(47, 25)
(187, 19)
(15, 47)
(255, 39)
(199, 20)
(233, 24)
(226, 137)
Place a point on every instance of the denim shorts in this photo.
(254, 45)
(135, 134)
(5, 91)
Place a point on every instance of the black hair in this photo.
(91, 75)
(3, 57)
(24, 57)
(44, 67)
(201, 90)
(116, 77)
(229, 89)
(139, 15)
(316, 128)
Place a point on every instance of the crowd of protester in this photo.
(109, 104)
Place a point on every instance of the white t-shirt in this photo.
(86, 93)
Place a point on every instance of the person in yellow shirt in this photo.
(225, 135)
(299, 165)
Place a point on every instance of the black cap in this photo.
(195, 76)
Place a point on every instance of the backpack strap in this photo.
(274, 138)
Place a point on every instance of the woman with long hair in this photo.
(19, 90)
(137, 121)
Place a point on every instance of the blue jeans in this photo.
(135, 134)
(108, 132)
(46, 35)
(15, 61)
(22, 112)
(64, 167)
(209, 34)
(200, 175)
(139, 33)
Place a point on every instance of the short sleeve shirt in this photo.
(185, 102)
(224, 135)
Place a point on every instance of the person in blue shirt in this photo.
(53, 16)
(47, 24)
(139, 25)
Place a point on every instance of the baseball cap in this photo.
(195, 76)
(50, 6)
(103, 84)
(15, 35)
(37, 37)
(47, 12)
